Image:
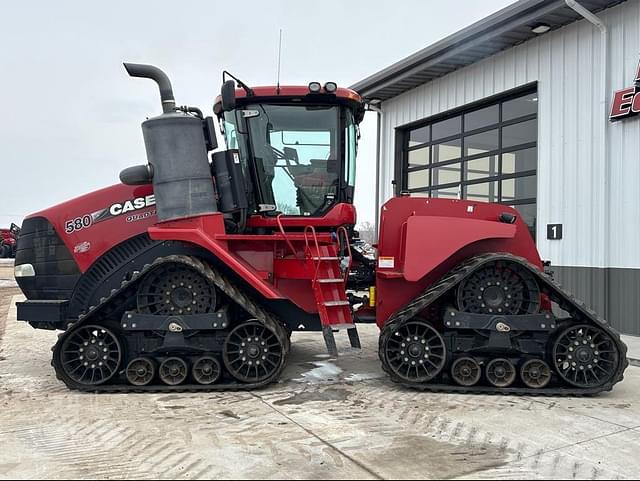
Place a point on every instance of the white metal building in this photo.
(516, 109)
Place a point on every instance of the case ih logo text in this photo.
(626, 102)
(115, 210)
(131, 205)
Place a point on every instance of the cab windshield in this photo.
(296, 150)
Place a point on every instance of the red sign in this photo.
(626, 102)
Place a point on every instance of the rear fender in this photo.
(422, 239)
(424, 251)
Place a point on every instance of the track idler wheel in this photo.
(173, 371)
(585, 356)
(501, 373)
(535, 374)
(499, 287)
(466, 371)
(253, 353)
(141, 371)
(415, 352)
(206, 370)
(90, 355)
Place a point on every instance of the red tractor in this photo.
(194, 271)
(8, 240)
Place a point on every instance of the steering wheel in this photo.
(279, 154)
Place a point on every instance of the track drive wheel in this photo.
(90, 355)
(174, 289)
(253, 353)
(585, 356)
(500, 287)
(415, 351)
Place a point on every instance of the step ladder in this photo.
(329, 288)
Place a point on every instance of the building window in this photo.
(486, 153)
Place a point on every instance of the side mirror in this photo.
(228, 92)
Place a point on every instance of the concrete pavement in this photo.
(327, 419)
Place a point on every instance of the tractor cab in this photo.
(296, 145)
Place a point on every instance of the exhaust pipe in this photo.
(177, 159)
(159, 77)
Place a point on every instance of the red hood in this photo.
(92, 224)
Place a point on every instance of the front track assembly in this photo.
(175, 325)
(482, 329)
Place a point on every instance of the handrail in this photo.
(284, 234)
(315, 239)
(343, 230)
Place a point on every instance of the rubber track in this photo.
(548, 286)
(128, 287)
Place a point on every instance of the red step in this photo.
(330, 292)
(329, 288)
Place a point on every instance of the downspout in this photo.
(378, 110)
(604, 47)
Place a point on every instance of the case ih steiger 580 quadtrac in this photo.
(195, 270)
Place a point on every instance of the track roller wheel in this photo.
(499, 287)
(141, 371)
(535, 374)
(90, 355)
(415, 352)
(206, 370)
(501, 373)
(253, 353)
(173, 289)
(173, 371)
(466, 371)
(585, 356)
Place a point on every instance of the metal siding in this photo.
(624, 144)
(602, 226)
(612, 293)
(587, 283)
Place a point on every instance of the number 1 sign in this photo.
(554, 231)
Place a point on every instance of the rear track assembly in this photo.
(587, 355)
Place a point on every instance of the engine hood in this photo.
(92, 224)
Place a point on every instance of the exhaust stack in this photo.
(158, 76)
(178, 164)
